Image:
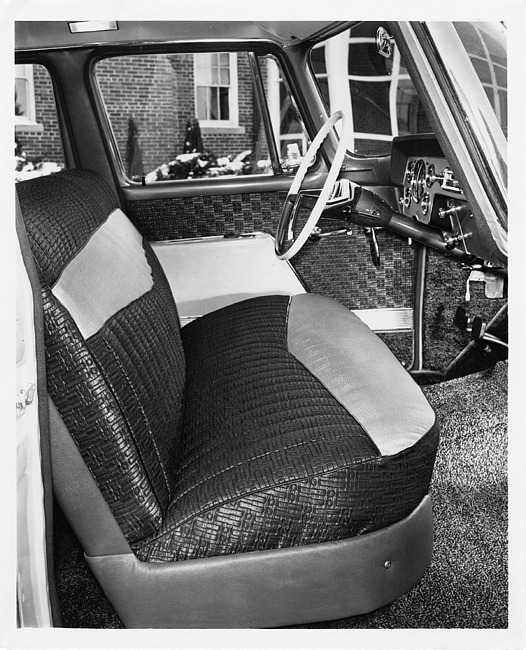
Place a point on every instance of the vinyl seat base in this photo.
(272, 588)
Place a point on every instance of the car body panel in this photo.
(32, 579)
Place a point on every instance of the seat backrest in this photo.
(115, 362)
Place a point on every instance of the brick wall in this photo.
(143, 89)
(153, 94)
(157, 92)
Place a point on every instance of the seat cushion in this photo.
(272, 456)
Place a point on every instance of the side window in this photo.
(38, 145)
(376, 92)
(192, 115)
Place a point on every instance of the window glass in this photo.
(291, 136)
(484, 44)
(376, 92)
(38, 145)
(193, 115)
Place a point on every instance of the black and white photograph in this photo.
(269, 325)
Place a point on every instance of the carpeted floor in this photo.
(466, 585)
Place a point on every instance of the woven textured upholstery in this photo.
(271, 459)
(215, 439)
(61, 215)
(119, 392)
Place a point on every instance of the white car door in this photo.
(32, 579)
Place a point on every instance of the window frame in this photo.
(276, 81)
(338, 53)
(45, 143)
(187, 186)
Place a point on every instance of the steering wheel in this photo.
(284, 231)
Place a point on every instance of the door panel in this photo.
(177, 181)
(339, 266)
(161, 219)
(209, 273)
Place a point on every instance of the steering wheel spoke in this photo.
(286, 245)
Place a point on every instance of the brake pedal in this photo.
(460, 319)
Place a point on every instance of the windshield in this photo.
(376, 92)
(485, 45)
(473, 57)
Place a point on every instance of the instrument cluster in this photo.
(430, 190)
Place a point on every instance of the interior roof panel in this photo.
(42, 35)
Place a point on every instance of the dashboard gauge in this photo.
(418, 180)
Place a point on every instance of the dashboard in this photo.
(429, 192)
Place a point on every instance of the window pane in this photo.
(214, 103)
(370, 106)
(21, 91)
(286, 120)
(323, 84)
(364, 59)
(366, 86)
(501, 77)
(482, 69)
(410, 113)
(318, 60)
(170, 121)
(38, 143)
(483, 44)
(202, 107)
(214, 75)
(224, 77)
(371, 147)
(202, 69)
(224, 113)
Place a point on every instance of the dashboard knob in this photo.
(425, 203)
(432, 177)
(451, 210)
(409, 171)
(407, 198)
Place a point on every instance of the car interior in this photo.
(273, 323)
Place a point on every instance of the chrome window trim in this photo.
(480, 116)
(455, 137)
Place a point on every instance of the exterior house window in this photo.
(216, 89)
(24, 95)
(38, 143)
